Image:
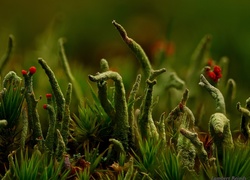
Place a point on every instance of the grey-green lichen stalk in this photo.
(193, 137)
(32, 102)
(50, 138)
(146, 122)
(60, 100)
(219, 128)
(219, 124)
(181, 117)
(215, 93)
(120, 122)
(131, 110)
(147, 69)
(245, 119)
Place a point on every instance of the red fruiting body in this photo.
(217, 70)
(45, 106)
(215, 75)
(32, 70)
(24, 72)
(212, 75)
(48, 95)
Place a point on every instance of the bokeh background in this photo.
(90, 35)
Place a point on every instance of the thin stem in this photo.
(68, 72)
(66, 117)
(50, 138)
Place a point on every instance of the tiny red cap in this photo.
(32, 70)
(45, 106)
(48, 95)
(24, 72)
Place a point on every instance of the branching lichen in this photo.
(33, 116)
(120, 120)
(146, 122)
(215, 93)
(102, 92)
(182, 117)
(147, 69)
(193, 137)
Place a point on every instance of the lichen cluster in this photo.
(118, 131)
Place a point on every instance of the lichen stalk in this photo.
(215, 93)
(230, 92)
(33, 116)
(37, 125)
(66, 117)
(4, 60)
(11, 162)
(182, 117)
(103, 97)
(24, 132)
(102, 91)
(3, 123)
(161, 128)
(147, 69)
(11, 78)
(186, 151)
(198, 56)
(193, 137)
(219, 128)
(120, 121)
(59, 98)
(131, 109)
(224, 64)
(104, 66)
(50, 137)
(61, 147)
(68, 72)
(146, 122)
(117, 145)
(245, 119)
(136, 48)
(174, 118)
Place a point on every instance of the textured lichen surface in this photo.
(157, 125)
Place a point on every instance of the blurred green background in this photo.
(91, 36)
(86, 25)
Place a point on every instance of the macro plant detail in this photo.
(116, 133)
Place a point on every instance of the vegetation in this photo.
(115, 133)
